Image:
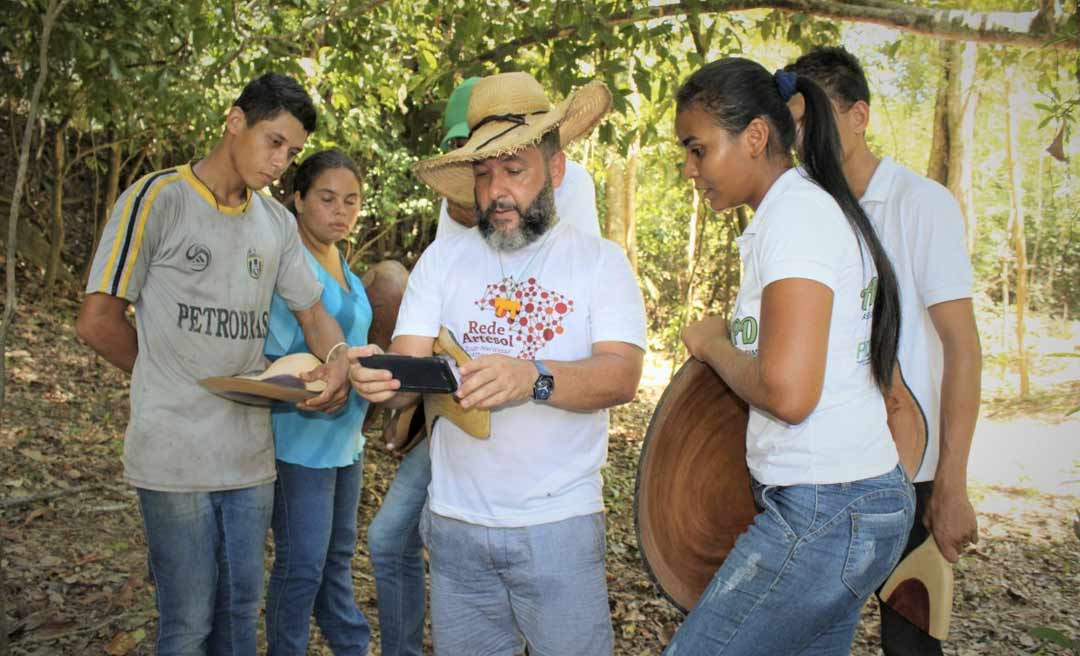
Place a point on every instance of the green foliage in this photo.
(1056, 637)
(158, 78)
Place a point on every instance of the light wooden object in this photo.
(476, 423)
(279, 382)
(921, 589)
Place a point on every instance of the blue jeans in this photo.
(314, 539)
(795, 581)
(493, 589)
(398, 559)
(206, 559)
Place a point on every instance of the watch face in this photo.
(543, 388)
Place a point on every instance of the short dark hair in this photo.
(836, 70)
(314, 166)
(269, 94)
(550, 143)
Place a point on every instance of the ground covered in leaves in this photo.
(74, 555)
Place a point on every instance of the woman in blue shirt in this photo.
(319, 456)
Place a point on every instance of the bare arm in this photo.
(322, 333)
(950, 516)
(104, 326)
(607, 378)
(788, 374)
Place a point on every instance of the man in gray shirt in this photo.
(199, 255)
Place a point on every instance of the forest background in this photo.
(982, 96)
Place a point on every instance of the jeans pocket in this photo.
(877, 540)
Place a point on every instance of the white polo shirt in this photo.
(575, 204)
(922, 229)
(799, 231)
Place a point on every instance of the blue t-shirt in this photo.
(316, 439)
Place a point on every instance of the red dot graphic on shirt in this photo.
(560, 308)
(543, 295)
(559, 330)
(532, 281)
(529, 307)
(524, 321)
(548, 335)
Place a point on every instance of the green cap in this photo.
(454, 117)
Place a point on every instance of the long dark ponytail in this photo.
(735, 91)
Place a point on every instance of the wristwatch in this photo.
(545, 382)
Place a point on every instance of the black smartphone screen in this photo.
(416, 374)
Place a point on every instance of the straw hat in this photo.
(509, 112)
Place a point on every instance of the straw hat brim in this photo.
(451, 175)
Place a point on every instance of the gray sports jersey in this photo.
(200, 277)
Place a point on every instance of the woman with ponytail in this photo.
(810, 347)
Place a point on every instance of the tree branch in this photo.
(47, 23)
(308, 26)
(1027, 29)
(48, 496)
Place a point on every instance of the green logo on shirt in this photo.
(745, 328)
(868, 294)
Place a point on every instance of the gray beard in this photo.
(536, 219)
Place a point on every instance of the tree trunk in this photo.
(1004, 304)
(962, 98)
(615, 223)
(53, 10)
(56, 235)
(136, 168)
(954, 129)
(112, 192)
(629, 190)
(698, 215)
(1037, 227)
(1064, 226)
(938, 166)
(1016, 210)
(619, 187)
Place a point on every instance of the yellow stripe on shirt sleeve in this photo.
(118, 237)
(139, 228)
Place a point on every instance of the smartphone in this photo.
(416, 374)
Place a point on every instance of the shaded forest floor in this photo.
(75, 568)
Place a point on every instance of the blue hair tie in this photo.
(785, 83)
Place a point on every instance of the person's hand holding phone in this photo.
(375, 385)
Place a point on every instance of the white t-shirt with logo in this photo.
(799, 231)
(922, 229)
(575, 203)
(541, 464)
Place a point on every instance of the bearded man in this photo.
(555, 324)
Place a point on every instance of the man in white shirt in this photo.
(555, 324)
(393, 535)
(921, 227)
